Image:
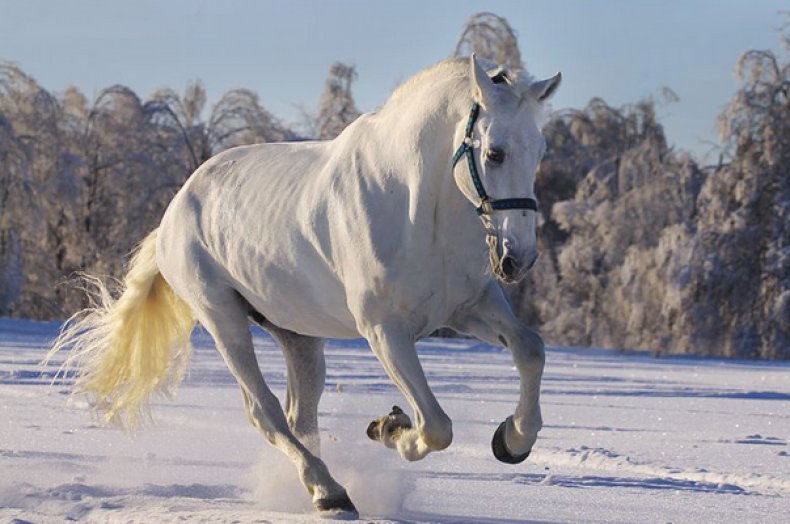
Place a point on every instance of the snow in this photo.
(627, 438)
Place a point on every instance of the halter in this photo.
(487, 206)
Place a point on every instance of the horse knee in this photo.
(528, 346)
(438, 435)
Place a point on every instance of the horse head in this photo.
(503, 146)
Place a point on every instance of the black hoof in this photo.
(338, 506)
(500, 450)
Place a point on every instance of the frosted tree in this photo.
(237, 119)
(180, 125)
(81, 182)
(640, 246)
(609, 187)
(35, 159)
(240, 119)
(14, 180)
(490, 36)
(643, 248)
(132, 172)
(336, 108)
(744, 216)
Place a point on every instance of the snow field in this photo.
(627, 438)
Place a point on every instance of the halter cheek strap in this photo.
(487, 205)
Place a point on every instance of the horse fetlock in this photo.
(530, 350)
(520, 443)
(412, 447)
(438, 437)
(388, 429)
(323, 489)
(518, 437)
(415, 444)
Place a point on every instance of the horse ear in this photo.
(544, 89)
(483, 85)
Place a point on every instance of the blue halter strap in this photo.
(487, 206)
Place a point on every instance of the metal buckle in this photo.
(472, 143)
(486, 207)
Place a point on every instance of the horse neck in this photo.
(424, 142)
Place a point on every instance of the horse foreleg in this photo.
(491, 320)
(432, 428)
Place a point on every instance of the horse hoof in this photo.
(373, 430)
(338, 507)
(385, 429)
(500, 450)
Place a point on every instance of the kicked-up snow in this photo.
(627, 438)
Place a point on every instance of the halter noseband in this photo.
(487, 206)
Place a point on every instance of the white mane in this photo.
(452, 76)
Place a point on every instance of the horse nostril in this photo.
(509, 266)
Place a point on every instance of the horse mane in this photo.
(446, 69)
(458, 69)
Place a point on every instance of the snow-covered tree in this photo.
(641, 247)
(34, 156)
(237, 119)
(336, 108)
(240, 119)
(81, 182)
(14, 180)
(741, 257)
(490, 36)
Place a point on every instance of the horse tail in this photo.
(130, 347)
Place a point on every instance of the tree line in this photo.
(642, 247)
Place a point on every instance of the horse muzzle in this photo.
(508, 266)
(511, 270)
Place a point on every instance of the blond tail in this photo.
(130, 347)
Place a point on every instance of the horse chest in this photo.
(423, 296)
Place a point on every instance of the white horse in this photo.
(373, 234)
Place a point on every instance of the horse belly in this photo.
(305, 300)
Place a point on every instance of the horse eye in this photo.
(495, 156)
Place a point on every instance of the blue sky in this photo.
(619, 50)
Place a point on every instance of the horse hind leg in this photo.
(224, 315)
(304, 358)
